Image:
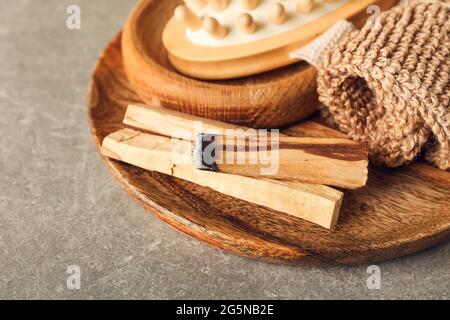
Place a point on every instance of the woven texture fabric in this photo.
(313, 51)
(390, 86)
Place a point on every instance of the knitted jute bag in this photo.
(390, 86)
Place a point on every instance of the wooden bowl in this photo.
(399, 212)
(269, 100)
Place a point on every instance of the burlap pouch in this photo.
(390, 86)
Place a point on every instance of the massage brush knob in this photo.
(214, 28)
(304, 6)
(277, 14)
(246, 23)
(188, 17)
(219, 5)
(249, 4)
(196, 4)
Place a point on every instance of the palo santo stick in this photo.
(335, 162)
(314, 130)
(314, 203)
(172, 123)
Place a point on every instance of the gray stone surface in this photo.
(59, 206)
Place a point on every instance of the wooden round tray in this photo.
(399, 212)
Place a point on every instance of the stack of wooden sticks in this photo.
(307, 167)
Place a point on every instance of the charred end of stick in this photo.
(204, 153)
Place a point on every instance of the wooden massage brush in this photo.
(224, 39)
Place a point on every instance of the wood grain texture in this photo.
(329, 161)
(332, 162)
(400, 211)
